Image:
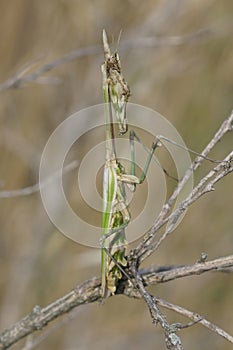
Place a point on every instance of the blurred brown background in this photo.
(190, 84)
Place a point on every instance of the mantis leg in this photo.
(155, 144)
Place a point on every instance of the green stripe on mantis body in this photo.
(115, 217)
(109, 195)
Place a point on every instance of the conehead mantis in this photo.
(115, 214)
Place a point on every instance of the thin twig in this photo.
(172, 340)
(29, 190)
(147, 246)
(20, 77)
(152, 277)
(196, 318)
(19, 80)
(154, 242)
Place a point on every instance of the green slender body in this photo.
(115, 214)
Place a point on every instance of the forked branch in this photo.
(90, 291)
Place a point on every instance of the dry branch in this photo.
(89, 292)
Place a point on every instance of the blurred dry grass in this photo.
(190, 84)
